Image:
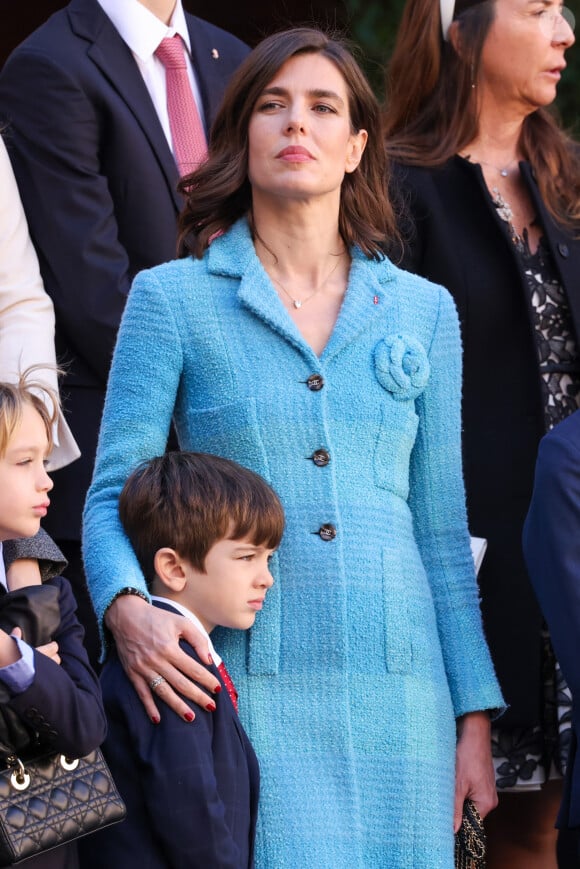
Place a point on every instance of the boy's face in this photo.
(233, 588)
(24, 483)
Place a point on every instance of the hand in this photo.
(474, 773)
(147, 640)
(23, 572)
(9, 651)
(50, 649)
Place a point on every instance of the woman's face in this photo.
(523, 54)
(300, 138)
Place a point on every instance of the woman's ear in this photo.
(169, 569)
(454, 37)
(358, 142)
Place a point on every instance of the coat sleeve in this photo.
(174, 762)
(64, 701)
(141, 397)
(26, 311)
(53, 136)
(552, 544)
(437, 501)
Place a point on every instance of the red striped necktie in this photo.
(231, 688)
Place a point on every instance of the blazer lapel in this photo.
(207, 64)
(365, 300)
(233, 255)
(114, 60)
(366, 296)
(563, 247)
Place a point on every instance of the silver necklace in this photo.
(297, 303)
(504, 171)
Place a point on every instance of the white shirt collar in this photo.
(192, 618)
(141, 29)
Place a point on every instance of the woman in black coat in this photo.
(489, 192)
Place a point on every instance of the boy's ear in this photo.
(169, 569)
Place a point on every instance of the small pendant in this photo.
(504, 173)
(297, 303)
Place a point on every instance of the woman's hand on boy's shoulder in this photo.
(147, 641)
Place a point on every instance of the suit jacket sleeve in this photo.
(437, 501)
(64, 701)
(56, 156)
(175, 765)
(26, 311)
(552, 543)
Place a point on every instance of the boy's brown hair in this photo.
(13, 398)
(189, 501)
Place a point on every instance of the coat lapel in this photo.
(115, 62)
(563, 247)
(365, 300)
(233, 255)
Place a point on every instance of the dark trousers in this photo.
(568, 849)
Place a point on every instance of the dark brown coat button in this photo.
(327, 532)
(315, 382)
(320, 458)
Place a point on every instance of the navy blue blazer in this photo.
(552, 551)
(191, 790)
(97, 179)
(63, 704)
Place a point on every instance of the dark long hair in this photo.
(432, 112)
(219, 192)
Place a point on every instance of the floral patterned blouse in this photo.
(524, 758)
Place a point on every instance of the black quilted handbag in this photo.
(52, 800)
(470, 839)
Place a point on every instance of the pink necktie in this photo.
(187, 133)
(230, 687)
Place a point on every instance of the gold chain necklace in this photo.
(297, 303)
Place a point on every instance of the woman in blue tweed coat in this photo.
(290, 343)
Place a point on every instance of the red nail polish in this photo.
(210, 707)
(210, 659)
(155, 719)
(189, 716)
(217, 688)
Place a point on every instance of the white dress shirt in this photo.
(192, 618)
(143, 31)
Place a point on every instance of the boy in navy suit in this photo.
(204, 530)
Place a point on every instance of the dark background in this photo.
(248, 19)
(370, 23)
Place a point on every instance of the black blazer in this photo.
(453, 236)
(191, 790)
(97, 179)
(552, 550)
(63, 704)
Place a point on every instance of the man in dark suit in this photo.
(552, 552)
(92, 154)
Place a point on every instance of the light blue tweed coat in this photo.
(370, 643)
